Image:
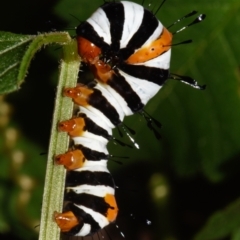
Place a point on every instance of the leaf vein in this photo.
(14, 46)
(9, 68)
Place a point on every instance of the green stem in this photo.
(55, 175)
(38, 42)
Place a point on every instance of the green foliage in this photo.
(222, 224)
(17, 52)
(12, 49)
(20, 180)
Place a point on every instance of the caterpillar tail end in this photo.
(112, 211)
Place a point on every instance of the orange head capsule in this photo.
(102, 71)
(88, 51)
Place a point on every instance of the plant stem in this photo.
(55, 175)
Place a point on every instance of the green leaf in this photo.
(12, 50)
(236, 234)
(16, 55)
(202, 127)
(222, 224)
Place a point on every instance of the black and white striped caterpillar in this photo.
(128, 50)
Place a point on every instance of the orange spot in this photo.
(88, 51)
(154, 49)
(74, 127)
(71, 160)
(66, 221)
(113, 209)
(79, 94)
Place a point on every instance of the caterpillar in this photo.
(128, 51)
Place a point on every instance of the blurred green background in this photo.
(186, 184)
